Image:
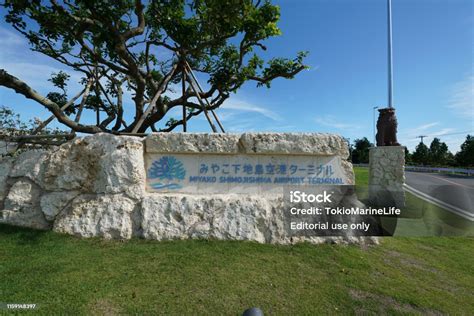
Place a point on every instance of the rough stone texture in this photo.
(223, 217)
(30, 164)
(74, 166)
(6, 164)
(21, 206)
(107, 216)
(121, 167)
(192, 143)
(349, 171)
(22, 194)
(249, 143)
(53, 203)
(295, 144)
(6, 147)
(387, 176)
(100, 164)
(229, 217)
(95, 186)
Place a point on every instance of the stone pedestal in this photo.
(387, 176)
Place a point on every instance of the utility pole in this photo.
(421, 137)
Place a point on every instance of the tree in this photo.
(421, 154)
(10, 122)
(465, 157)
(438, 153)
(12, 126)
(360, 153)
(450, 160)
(408, 158)
(149, 49)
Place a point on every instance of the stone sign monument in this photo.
(174, 185)
(239, 174)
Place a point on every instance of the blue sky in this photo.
(433, 71)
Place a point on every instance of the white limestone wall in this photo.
(6, 147)
(95, 186)
(387, 176)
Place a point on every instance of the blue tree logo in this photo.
(167, 168)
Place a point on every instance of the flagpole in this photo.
(387, 122)
(390, 75)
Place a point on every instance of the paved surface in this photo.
(454, 190)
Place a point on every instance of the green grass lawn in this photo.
(68, 275)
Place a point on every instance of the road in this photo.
(452, 192)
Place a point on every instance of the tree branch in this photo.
(288, 75)
(157, 95)
(141, 22)
(22, 88)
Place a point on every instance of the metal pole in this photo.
(183, 86)
(200, 89)
(192, 80)
(390, 65)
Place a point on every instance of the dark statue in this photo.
(387, 128)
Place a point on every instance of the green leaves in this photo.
(12, 125)
(282, 67)
(59, 80)
(261, 23)
(171, 122)
(135, 43)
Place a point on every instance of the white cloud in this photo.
(462, 98)
(416, 131)
(234, 106)
(442, 132)
(242, 126)
(10, 38)
(238, 115)
(14, 46)
(448, 135)
(426, 126)
(461, 102)
(330, 121)
(410, 137)
(37, 75)
(314, 68)
(454, 142)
